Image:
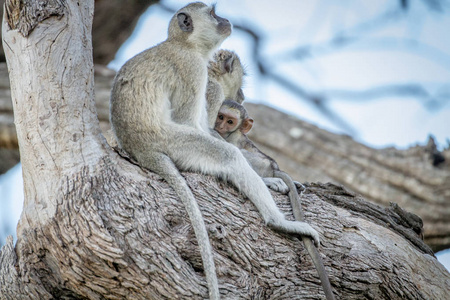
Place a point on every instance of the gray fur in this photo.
(225, 80)
(263, 164)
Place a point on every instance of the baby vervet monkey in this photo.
(158, 115)
(225, 80)
(233, 124)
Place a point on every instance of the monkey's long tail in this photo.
(164, 167)
(309, 245)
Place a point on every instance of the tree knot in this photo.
(25, 15)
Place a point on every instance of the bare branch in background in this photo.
(413, 90)
(315, 99)
(436, 5)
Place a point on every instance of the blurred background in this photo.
(376, 71)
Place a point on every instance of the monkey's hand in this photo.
(216, 134)
(276, 184)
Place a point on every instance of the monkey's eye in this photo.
(220, 117)
(230, 122)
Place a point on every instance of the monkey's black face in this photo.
(223, 25)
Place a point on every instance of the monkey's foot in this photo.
(297, 228)
(276, 184)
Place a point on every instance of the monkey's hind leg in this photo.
(164, 167)
(309, 245)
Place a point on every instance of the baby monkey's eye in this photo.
(220, 117)
(230, 122)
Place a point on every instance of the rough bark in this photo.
(96, 226)
(9, 146)
(131, 237)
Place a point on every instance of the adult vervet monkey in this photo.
(158, 114)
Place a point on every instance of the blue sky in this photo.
(422, 55)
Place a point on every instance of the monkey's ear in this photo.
(228, 64)
(240, 96)
(185, 22)
(247, 124)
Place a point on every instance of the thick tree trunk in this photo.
(125, 234)
(9, 146)
(96, 226)
(113, 23)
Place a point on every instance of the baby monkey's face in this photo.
(228, 121)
